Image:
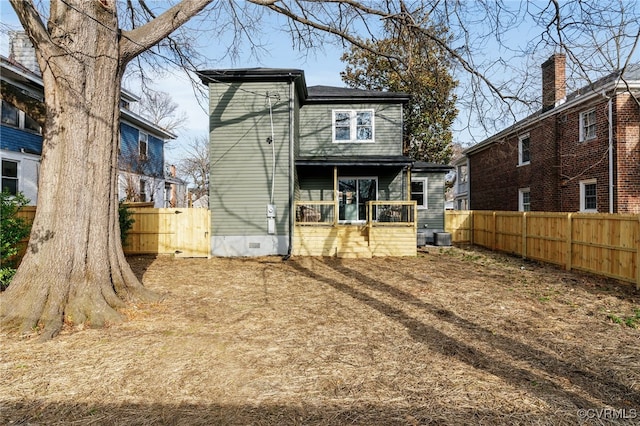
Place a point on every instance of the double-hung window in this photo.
(419, 192)
(524, 200)
(143, 146)
(12, 116)
(587, 125)
(143, 190)
(588, 196)
(354, 126)
(524, 153)
(10, 177)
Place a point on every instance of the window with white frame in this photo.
(143, 190)
(524, 200)
(587, 125)
(12, 116)
(10, 177)
(524, 154)
(143, 145)
(588, 196)
(354, 126)
(419, 192)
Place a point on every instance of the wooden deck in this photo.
(353, 241)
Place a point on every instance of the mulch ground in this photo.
(455, 336)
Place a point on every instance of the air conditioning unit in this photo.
(442, 239)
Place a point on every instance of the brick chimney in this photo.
(22, 51)
(554, 87)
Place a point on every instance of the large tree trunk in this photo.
(74, 270)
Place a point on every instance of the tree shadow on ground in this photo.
(590, 282)
(140, 263)
(594, 389)
(36, 412)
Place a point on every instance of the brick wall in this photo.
(560, 161)
(583, 160)
(627, 133)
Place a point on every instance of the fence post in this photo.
(569, 252)
(471, 226)
(524, 235)
(638, 256)
(493, 240)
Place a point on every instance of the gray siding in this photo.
(241, 157)
(433, 216)
(316, 131)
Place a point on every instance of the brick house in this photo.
(580, 152)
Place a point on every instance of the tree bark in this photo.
(74, 270)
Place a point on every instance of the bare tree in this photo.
(194, 166)
(161, 110)
(74, 270)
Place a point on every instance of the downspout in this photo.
(611, 184)
(292, 211)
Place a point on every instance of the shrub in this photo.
(13, 229)
(126, 221)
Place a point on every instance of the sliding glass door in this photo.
(354, 193)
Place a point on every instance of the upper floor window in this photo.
(10, 176)
(419, 192)
(353, 126)
(524, 154)
(143, 145)
(12, 116)
(588, 196)
(588, 125)
(524, 200)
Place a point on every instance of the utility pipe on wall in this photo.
(611, 184)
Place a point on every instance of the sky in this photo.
(321, 67)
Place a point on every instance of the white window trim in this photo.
(353, 126)
(583, 137)
(521, 193)
(143, 156)
(18, 177)
(22, 117)
(143, 184)
(520, 139)
(584, 183)
(425, 195)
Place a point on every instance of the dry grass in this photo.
(454, 336)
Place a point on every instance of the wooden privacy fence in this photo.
(603, 244)
(181, 232)
(177, 231)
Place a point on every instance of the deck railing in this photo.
(315, 213)
(394, 213)
(379, 213)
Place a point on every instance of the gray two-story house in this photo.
(310, 170)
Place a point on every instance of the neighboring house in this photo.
(141, 161)
(461, 183)
(580, 152)
(428, 181)
(312, 170)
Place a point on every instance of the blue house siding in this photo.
(129, 158)
(14, 139)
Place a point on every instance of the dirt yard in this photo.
(452, 337)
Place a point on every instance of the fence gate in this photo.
(181, 232)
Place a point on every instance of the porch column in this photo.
(335, 196)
